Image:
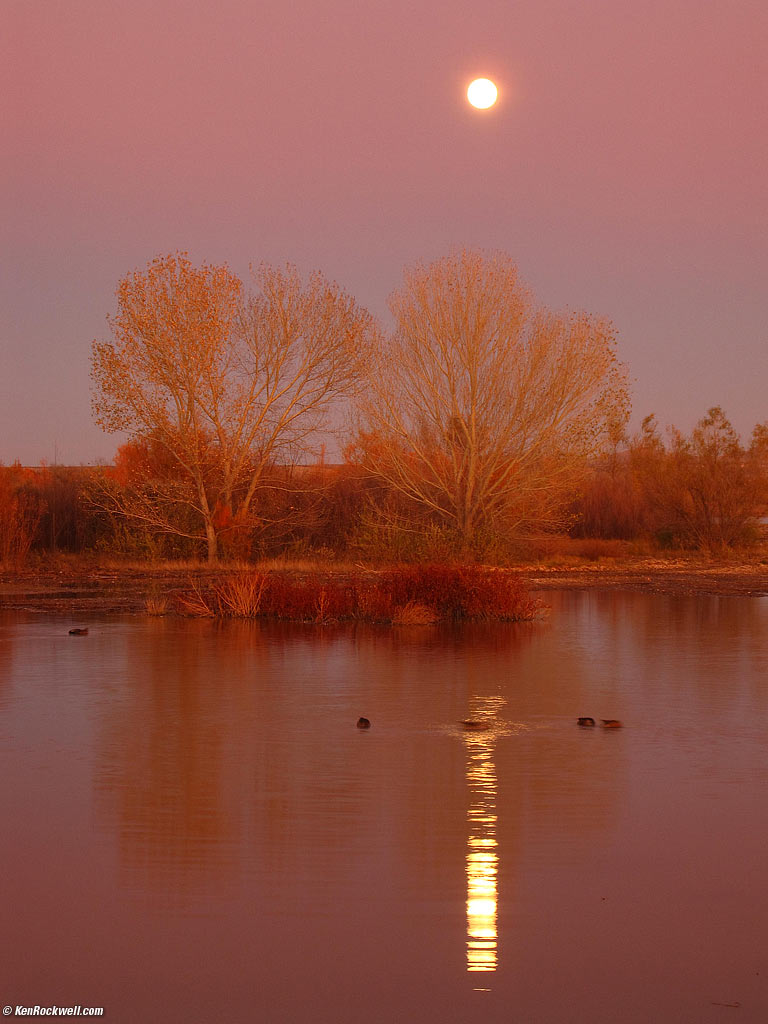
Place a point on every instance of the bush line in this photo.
(406, 596)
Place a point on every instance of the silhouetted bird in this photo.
(472, 725)
(363, 723)
(78, 632)
(586, 721)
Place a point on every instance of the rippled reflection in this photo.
(482, 844)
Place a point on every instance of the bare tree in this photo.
(225, 383)
(706, 491)
(482, 408)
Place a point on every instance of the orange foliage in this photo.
(21, 508)
(143, 459)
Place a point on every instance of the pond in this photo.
(195, 829)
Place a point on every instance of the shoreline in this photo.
(127, 589)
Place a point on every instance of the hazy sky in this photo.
(625, 169)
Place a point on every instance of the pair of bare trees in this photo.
(479, 409)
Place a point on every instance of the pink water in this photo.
(194, 830)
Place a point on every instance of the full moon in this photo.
(482, 93)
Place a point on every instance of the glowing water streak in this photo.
(482, 855)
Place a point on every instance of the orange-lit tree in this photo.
(21, 508)
(482, 408)
(224, 381)
(707, 490)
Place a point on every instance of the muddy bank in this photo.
(79, 590)
(657, 578)
(95, 590)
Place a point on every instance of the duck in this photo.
(611, 723)
(78, 632)
(363, 723)
(586, 721)
(472, 725)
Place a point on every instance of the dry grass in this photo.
(407, 596)
(165, 565)
(460, 593)
(287, 563)
(196, 601)
(156, 604)
(240, 595)
(557, 550)
(414, 614)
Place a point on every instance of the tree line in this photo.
(477, 420)
(702, 492)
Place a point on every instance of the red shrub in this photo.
(456, 593)
(312, 600)
(460, 592)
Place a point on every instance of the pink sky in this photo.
(625, 169)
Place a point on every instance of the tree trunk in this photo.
(213, 546)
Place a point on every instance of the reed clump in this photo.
(460, 593)
(414, 614)
(240, 595)
(156, 604)
(404, 596)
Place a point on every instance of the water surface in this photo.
(195, 830)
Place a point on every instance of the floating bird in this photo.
(611, 723)
(363, 723)
(78, 632)
(472, 725)
(586, 721)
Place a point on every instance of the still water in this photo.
(194, 830)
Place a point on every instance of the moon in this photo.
(482, 93)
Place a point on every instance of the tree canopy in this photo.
(223, 381)
(481, 407)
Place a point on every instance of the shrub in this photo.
(241, 594)
(460, 593)
(409, 595)
(197, 602)
(21, 509)
(414, 614)
(156, 604)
